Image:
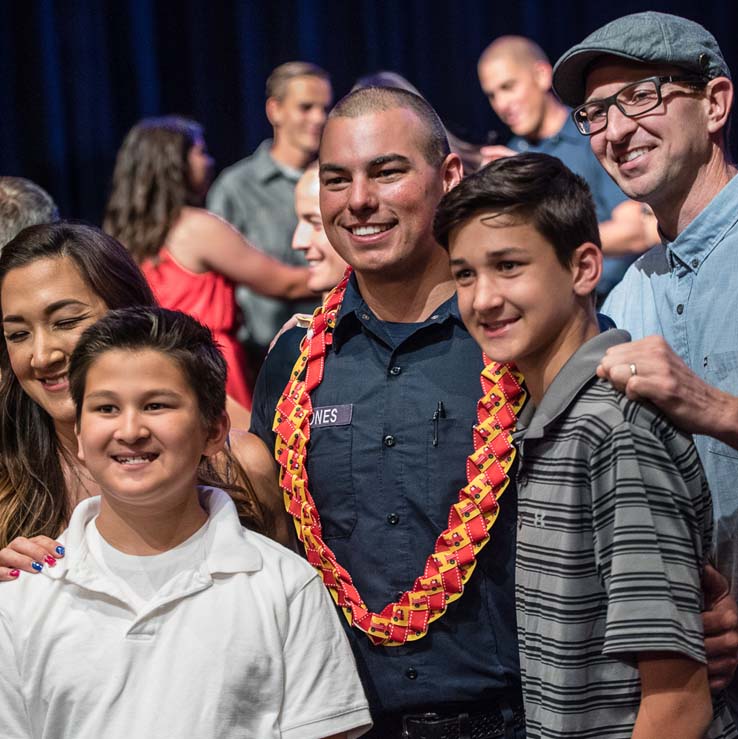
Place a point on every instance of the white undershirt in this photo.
(144, 576)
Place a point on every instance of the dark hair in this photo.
(23, 203)
(276, 84)
(367, 100)
(33, 497)
(533, 188)
(191, 346)
(151, 183)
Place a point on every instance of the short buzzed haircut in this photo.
(276, 84)
(369, 100)
(531, 188)
(23, 203)
(518, 48)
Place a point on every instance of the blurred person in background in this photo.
(256, 194)
(192, 258)
(23, 203)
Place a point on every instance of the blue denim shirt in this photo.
(574, 151)
(687, 291)
(383, 491)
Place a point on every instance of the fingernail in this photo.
(14, 573)
(51, 561)
(60, 551)
(37, 566)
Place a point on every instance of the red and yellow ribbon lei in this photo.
(470, 519)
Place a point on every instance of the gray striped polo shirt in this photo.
(615, 522)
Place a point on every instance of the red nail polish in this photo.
(50, 560)
(14, 573)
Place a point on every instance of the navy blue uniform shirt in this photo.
(383, 489)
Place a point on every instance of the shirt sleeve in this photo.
(13, 716)
(323, 694)
(271, 381)
(649, 507)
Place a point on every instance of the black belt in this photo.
(494, 723)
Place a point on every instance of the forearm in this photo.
(675, 699)
(724, 424)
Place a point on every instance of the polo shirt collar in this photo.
(706, 231)
(265, 168)
(229, 550)
(354, 312)
(568, 383)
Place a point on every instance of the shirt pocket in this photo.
(331, 479)
(448, 443)
(721, 371)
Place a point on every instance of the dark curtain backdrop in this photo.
(76, 74)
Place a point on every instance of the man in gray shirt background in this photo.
(257, 194)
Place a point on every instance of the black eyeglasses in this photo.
(632, 100)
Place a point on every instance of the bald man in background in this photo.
(515, 75)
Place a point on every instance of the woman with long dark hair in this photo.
(191, 257)
(55, 280)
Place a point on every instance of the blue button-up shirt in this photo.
(687, 291)
(574, 151)
(383, 489)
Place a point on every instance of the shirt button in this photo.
(522, 479)
(411, 673)
(680, 309)
(695, 263)
(395, 370)
(399, 594)
(389, 440)
(364, 316)
(393, 519)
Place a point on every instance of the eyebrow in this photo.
(376, 162)
(157, 392)
(48, 310)
(505, 251)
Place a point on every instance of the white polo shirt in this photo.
(244, 643)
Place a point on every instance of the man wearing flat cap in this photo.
(653, 93)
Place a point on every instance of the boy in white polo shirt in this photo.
(167, 618)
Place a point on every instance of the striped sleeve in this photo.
(648, 508)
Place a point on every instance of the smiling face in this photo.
(656, 157)
(378, 193)
(46, 305)
(325, 265)
(299, 117)
(517, 93)
(140, 432)
(516, 298)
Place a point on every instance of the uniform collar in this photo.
(706, 231)
(354, 313)
(568, 383)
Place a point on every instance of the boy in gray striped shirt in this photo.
(614, 514)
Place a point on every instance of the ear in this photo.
(719, 94)
(217, 435)
(586, 267)
(543, 75)
(80, 450)
(274, 111)
(452, 170)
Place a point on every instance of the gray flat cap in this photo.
(651, 38)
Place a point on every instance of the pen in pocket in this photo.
(439, 413)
